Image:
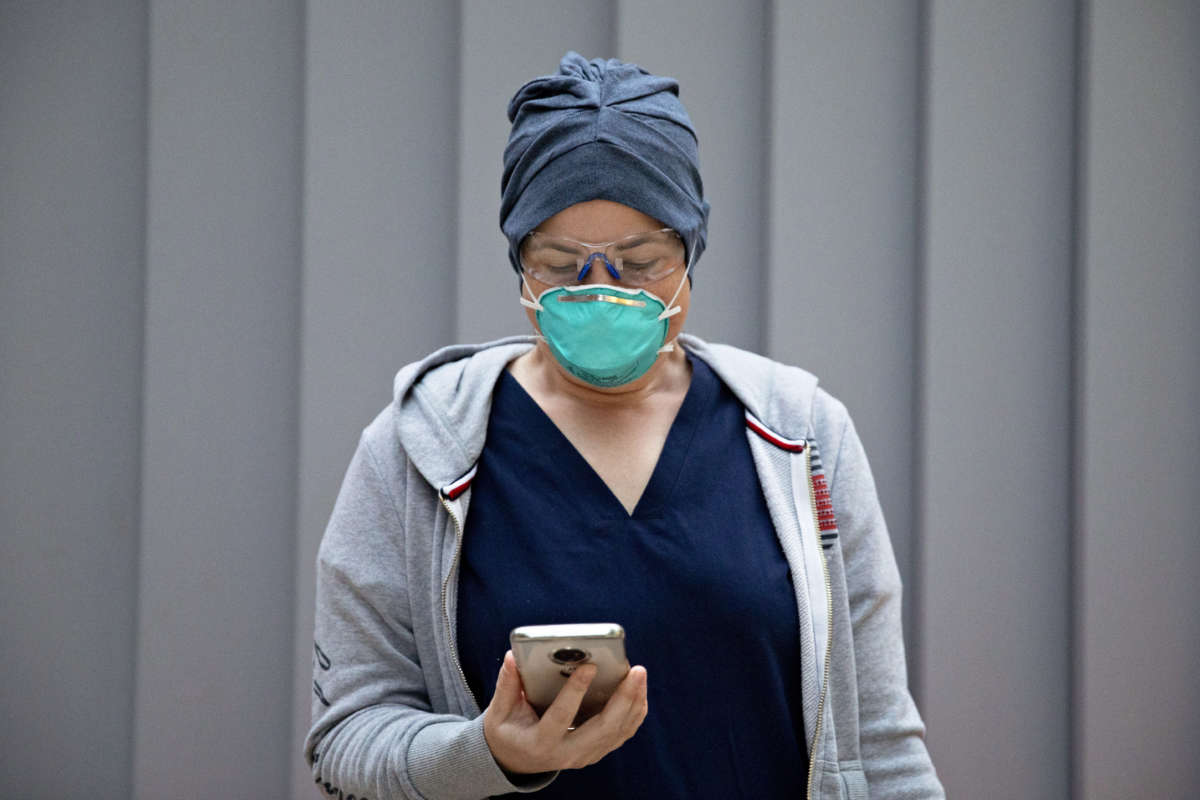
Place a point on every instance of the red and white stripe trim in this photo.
(825, 518)
(453, 490)
(756, 425)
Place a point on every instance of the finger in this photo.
(630, 698)
(634, 683)
(627, 694)
(637, 696)
(562, 711)
(508, 687)
(638, 710)
(619, 719)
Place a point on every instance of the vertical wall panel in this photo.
(718, 52)
(219, 453)
(842, 174)
(504, 45)
(1139, 631)
(996, 396)
(379, 239)
(72, 110)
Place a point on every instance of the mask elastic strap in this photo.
(672, 309)
(534, 304)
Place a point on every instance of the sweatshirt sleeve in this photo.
(374, 735)
(892, 745)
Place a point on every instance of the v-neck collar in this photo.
(551, 443)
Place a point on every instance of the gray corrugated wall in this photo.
(72, 233)
(994, 360)
(223, 226)
(1138, 405)
(219, 439)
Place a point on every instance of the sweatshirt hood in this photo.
(442, 402)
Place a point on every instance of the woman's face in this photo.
(606, 221)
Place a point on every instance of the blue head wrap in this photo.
(601, 130)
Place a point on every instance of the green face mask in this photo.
(605, 335)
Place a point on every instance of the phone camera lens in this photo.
(569, 655)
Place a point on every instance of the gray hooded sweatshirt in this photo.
(392, 716)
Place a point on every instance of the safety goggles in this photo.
(635, 260)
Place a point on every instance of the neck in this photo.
(538, 371)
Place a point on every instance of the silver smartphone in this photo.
(548, 654)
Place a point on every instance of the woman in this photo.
(716, 504)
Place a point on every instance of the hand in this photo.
(522, 743)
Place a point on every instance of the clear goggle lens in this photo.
(635, 260)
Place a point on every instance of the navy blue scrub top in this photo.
(695, 575)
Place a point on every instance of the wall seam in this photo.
(1075, 431)
(135, 656)
(920, 281)
(294, 749)
(767, 120)
(455, 231)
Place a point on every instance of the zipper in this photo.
(812, 505)
(458, 537)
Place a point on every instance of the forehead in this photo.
(598, 221)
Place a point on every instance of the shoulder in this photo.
(786, 398)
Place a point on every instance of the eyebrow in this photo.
(634, 241)
(540, 243)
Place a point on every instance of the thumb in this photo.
(508, 687)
